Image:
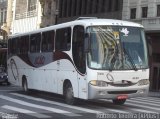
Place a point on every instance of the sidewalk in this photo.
(154, 94)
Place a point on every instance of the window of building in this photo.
(80, 8)
(49, 7)
(103, 2)
(110, 5)
(32, 5)
(85, 6)
(35, 42)
(116, 5)
(47, 41)
(60, 8)
(1, 19)
(96, 6)
(158, 10)
(75, 8)
(63, 39)
(3, 0)
(144, 12)
(133, 13)
(90, 6)
(69, 7)
(64, 8)
(5, 15)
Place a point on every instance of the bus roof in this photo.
(85, 22)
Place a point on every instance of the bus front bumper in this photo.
(95, 92)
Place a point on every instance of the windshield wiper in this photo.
(130, 58)
(114, 57)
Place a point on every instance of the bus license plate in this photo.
(122, 97)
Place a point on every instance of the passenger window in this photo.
(19, 45)
(47, 41)
(25, 44)
(63, 39)
(14, 46)
(9, 46)
(35, 42)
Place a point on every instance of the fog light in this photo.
(101, 92)
(141, 91)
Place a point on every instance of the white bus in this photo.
(85, 59)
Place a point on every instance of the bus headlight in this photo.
(98, 83)
(143, 82)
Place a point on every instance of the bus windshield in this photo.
(117, 48)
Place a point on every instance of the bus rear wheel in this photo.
(119, 101)
(68, 93)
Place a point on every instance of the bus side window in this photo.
(14, 46)
(9, 46)
(44, 41)
(63, 39)
(25, 44)
(19, 45)
(47, 41)
(35, 42)
(51, 41)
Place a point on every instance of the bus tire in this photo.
(119, 101)
(25, 85)
(68, 93)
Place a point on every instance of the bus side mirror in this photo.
(86, 43)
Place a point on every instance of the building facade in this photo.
(59, 11)
(26, 16)
(3, 15)
(49, 12)
(72, 9)
(29, 15)
(147, 13)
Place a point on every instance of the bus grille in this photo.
(122, 92)
(122, 84)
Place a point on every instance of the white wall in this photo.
(26, 24)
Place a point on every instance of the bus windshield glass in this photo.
(117, 48)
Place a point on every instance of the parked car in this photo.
(3, 76)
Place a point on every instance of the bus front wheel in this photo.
(119, 101)
(69, 96)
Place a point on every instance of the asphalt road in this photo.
(15, 104)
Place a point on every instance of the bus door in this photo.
(79, 60)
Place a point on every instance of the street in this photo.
(18, 105)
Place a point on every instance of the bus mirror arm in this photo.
(86, 43)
